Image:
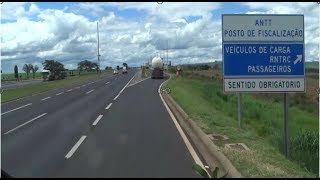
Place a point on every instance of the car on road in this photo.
(115, 71)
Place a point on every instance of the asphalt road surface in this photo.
(96, 129)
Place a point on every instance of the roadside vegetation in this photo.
(58, 77)
(12, 94)
(145, 72)
(200, 94)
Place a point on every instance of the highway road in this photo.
(102, 128)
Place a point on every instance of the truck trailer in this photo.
(157, 68)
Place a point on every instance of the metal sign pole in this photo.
(286, 125)
(240, 109)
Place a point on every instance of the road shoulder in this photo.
(208, 150)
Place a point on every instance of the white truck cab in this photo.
(124, 70)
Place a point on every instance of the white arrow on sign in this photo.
(299, 58)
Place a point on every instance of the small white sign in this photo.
(253, 27)
(265, 85)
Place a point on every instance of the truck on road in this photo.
(157, 68)
(124, 70)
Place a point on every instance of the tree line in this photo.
(57, 70)
(26, 68)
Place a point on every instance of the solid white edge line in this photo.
(59, 93)
(109, 106)
(45, 98)
(89, 91)
(97, 120)
(182, 134)
(75, 147)
(16, 108)
(124, 87)
(69, 90)
(24, 123)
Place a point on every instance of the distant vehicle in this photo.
(157, 68)
(124, 70)
(45, 74)
(115, 71)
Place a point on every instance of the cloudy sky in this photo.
(130, 32)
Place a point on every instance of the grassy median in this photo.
(12, 94)
(215, 112)
(145, 73)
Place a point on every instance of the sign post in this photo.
(263, 53)
(240, 109)
(286, 124)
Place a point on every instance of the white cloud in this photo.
(16, 10)
(70, 37)
(311, 12)
(167, 10)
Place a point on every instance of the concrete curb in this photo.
(209, 151)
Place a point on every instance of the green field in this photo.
(314, 64)
(12, 94)
(38, 75)
(10, 77)
(203, 99)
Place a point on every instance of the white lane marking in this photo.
(97, 120)
(124, 87)
(138, 82)
(75, 147)
(89, 91)
(69, 90)
(59, 93)
(83, 85)
(16, 108)
(25, 123)
(77, 87)
(182, 134)
(45, 98)
(109, 106)
(107, 83)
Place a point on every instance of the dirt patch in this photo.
(239, 146)
(255, 164)
(208, 73)
(219, 137)
(312, 84)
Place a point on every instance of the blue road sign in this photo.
(263, 60)
(263, 53)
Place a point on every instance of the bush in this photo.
(51, 78)
(216, 66)
(304, 148)
(224, 97)
(312, 70)
(172, 70)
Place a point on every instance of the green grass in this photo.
(38, 75)
(10, 77)
(203, 99)
(314, 64)
(12, 94)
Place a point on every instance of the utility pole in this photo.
(167, 53)
(98, 49)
